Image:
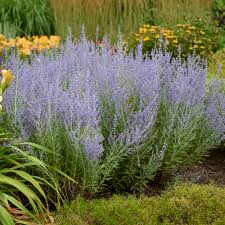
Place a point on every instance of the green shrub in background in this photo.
(26, 17)
(202, 36)
(191, 38)
(184, 205)
(217, 64)
(218, 9)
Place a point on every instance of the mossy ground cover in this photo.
(185, 204)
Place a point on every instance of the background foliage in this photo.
(26, 17)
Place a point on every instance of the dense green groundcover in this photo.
(185, 204)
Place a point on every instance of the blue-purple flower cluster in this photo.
(72, 86)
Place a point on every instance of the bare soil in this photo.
(210, 170)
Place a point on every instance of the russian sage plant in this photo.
(113, 118)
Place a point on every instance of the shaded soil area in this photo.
(210, 170)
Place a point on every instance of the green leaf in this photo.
(5, 217)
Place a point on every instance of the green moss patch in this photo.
(186, 204)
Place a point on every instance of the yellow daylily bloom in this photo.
(7, 78)
(146, 38)
(188, 31)
(12, 42)
(25, 51)
(153, 30)
(192, 27)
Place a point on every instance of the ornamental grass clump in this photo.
(114, 119)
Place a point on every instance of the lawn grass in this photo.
(185, 204)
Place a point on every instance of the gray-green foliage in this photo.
(185, 133)
(181, 136)
(70, 158)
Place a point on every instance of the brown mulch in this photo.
(19, 215)
(210, 170)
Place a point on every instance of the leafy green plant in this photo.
(90, 176)
(184, 132)
(191, 38)
(217, 64)
(218, 10)
(16, 184)
(28, 17)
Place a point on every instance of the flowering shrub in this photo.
(187, 36)
(114, 119)
(29, 45)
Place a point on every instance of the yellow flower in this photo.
(192, 27)
(202, 47)
(12, 42)
(146, 38)
(157, 36)
(5, 44)
(175, 41)
(142, 30)
(188, 31)
(44, 39)
(190, 48)
(146, 26)
(2, 37)
(202, 32)
(7, 78)
(153, 30)
(171, 36)
(55, 38)
(25, 51)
